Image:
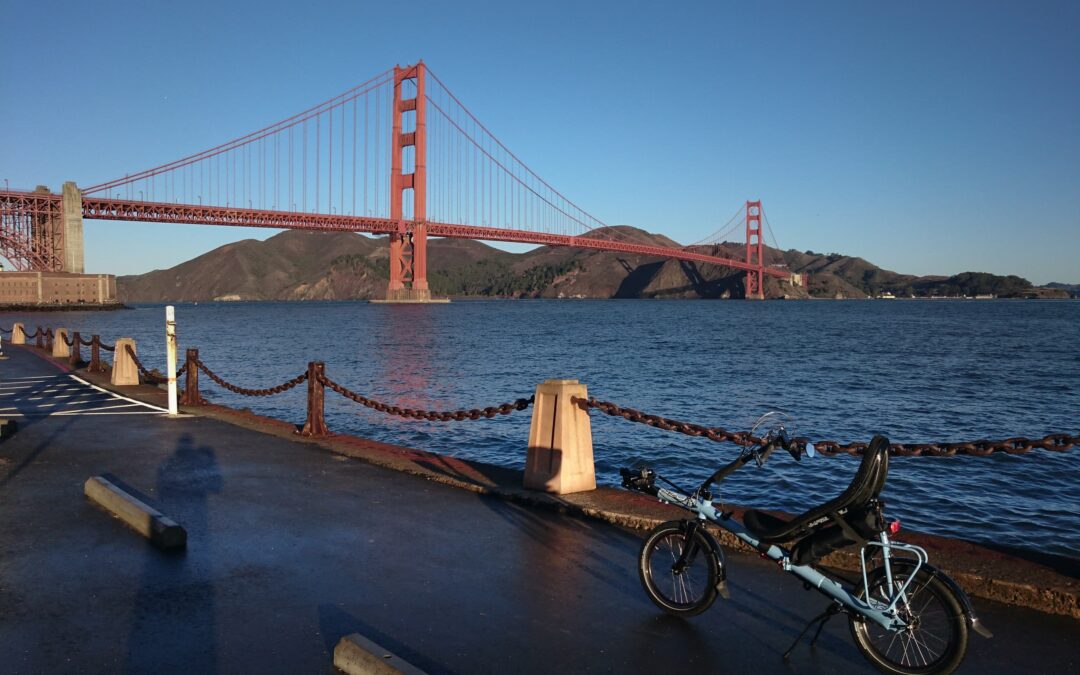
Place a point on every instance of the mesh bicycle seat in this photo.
(865, 486)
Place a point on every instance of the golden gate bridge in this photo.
(398, 155)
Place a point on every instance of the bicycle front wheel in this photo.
(935, 640)
(680, 585)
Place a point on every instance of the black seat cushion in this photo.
(866, 485)
(764, 525)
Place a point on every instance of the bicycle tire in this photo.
(686, 592)
(936, 642)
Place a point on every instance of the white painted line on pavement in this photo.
(124, 398)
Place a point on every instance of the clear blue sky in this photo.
(926, 137)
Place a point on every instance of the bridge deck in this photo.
(291, 548)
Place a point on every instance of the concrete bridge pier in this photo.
(71, 223)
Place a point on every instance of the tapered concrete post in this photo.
(18, 334)
(560, 458)
(60, 349)
(124, 371)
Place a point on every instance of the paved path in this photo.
(291, 547)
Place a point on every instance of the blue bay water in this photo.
(913, 370)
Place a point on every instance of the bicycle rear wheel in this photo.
(682, 588)
(935, 640)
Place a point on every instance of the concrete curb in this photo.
(163, 532)
(1044, 583)
(8, 428)
(357, 655)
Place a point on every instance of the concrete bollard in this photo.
(124, 371)
(112, 495)
(60, 349)
(357, 655)
(560, 458)
(18, 334)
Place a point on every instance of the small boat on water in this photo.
(886, 296)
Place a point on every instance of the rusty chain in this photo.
(151, 375)
(106, 347)
(6, 330)
(429, 415)
(285, 386)
(70, 342)
(981, 448)
(180, 371)
(86, 343)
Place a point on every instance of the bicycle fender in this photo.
(721, 564)
(965, 603)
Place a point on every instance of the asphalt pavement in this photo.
(291, 547)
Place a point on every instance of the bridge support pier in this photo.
(71, 223)
(408, 246)
(755, 253)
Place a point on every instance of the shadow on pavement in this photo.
(176, 594)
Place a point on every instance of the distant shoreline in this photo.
(63, 308)
(491, 298)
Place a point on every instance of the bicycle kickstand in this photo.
(820, 620)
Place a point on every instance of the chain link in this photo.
(86, 343)
(151, 375)
(286, 386)
(69, 341)
(429, 415)
(106, 347)
(180, 372)
(981, 448)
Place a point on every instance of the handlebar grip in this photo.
(639, 480)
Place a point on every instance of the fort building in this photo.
(56, 288)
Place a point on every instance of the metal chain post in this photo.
(191, 384)
(75, 359)
(315, 425)
(95, 355)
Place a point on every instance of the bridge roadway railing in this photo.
(560, 425)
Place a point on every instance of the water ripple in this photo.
(915, 371)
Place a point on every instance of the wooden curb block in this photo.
(357, 655)
(163, 532)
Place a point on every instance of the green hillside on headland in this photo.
(296, 265)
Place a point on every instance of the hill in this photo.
(297, 265)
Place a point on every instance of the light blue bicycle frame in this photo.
(881, 613)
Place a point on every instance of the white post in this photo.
(170, 355)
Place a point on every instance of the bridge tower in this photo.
(755, 253)
(408, 246)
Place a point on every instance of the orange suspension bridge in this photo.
(398, 155)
